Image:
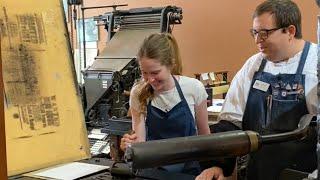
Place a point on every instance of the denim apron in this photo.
(178, 122)
(275, 110)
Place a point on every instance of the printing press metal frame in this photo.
(109, 79)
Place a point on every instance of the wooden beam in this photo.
(3, 154)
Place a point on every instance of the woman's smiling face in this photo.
(156, 74)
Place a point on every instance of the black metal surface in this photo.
(141, 18)
(116, 128)
(74, 2)
(122, 171)
(290, 174)
(104, 94)
(119, 126)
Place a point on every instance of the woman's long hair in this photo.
(163, 48)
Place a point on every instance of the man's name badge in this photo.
(260, 85)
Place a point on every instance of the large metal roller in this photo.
(206, 147)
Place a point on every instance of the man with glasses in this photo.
(272, 91)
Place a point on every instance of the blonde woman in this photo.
(165, 104)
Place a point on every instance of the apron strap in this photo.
(262, 65)
(179, 89)
(303, 57)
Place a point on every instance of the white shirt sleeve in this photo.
(311, 79)
(236, 98)
(201, 93)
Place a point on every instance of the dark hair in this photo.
(285, 13)
(163, 48)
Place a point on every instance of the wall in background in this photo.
(214, 34)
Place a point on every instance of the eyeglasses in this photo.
(263, 33)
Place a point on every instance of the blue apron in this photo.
(178, 122)
(277, 110)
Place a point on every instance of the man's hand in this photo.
(127, 140)
(215, 173)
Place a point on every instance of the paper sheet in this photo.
(97, 134)
(212, 76)
(70, 171)
(216, 105)
(204, 76)
(100, 136)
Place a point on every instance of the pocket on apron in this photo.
(284, 115)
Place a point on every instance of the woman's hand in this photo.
(215, 173)
(127, 140)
